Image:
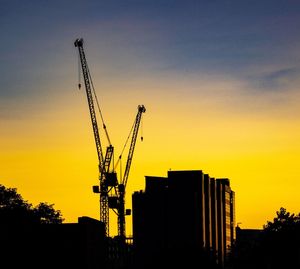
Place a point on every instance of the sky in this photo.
(219, 80)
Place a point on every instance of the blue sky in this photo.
(241, 39)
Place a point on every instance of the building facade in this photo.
(186, 211)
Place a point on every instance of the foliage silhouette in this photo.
(276, 246)
(15, 210)
(280, 240)
(284, 221)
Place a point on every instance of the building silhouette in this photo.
(179, 221)
(187, 213)
(68, 245)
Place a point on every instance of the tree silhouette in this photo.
(280, 240)
(276, 246)
(284, 221)
(47, 214)
(15, 210)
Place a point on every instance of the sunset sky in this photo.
(219, 80)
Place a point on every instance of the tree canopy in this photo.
(15, 210)
(284, 221)
(275, 246)
(280, 241)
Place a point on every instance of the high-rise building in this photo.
(185, 210)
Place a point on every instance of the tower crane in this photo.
(108, 179)
(104, 163)
(123, 181)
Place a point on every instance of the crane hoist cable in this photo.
(126, 142)
(100, 112)
(95, 97)
(142, 130)
(79, 72)
(119, 161)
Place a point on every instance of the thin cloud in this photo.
(279, 79)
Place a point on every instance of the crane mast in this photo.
(103, 163)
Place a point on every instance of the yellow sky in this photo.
(49, 153)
